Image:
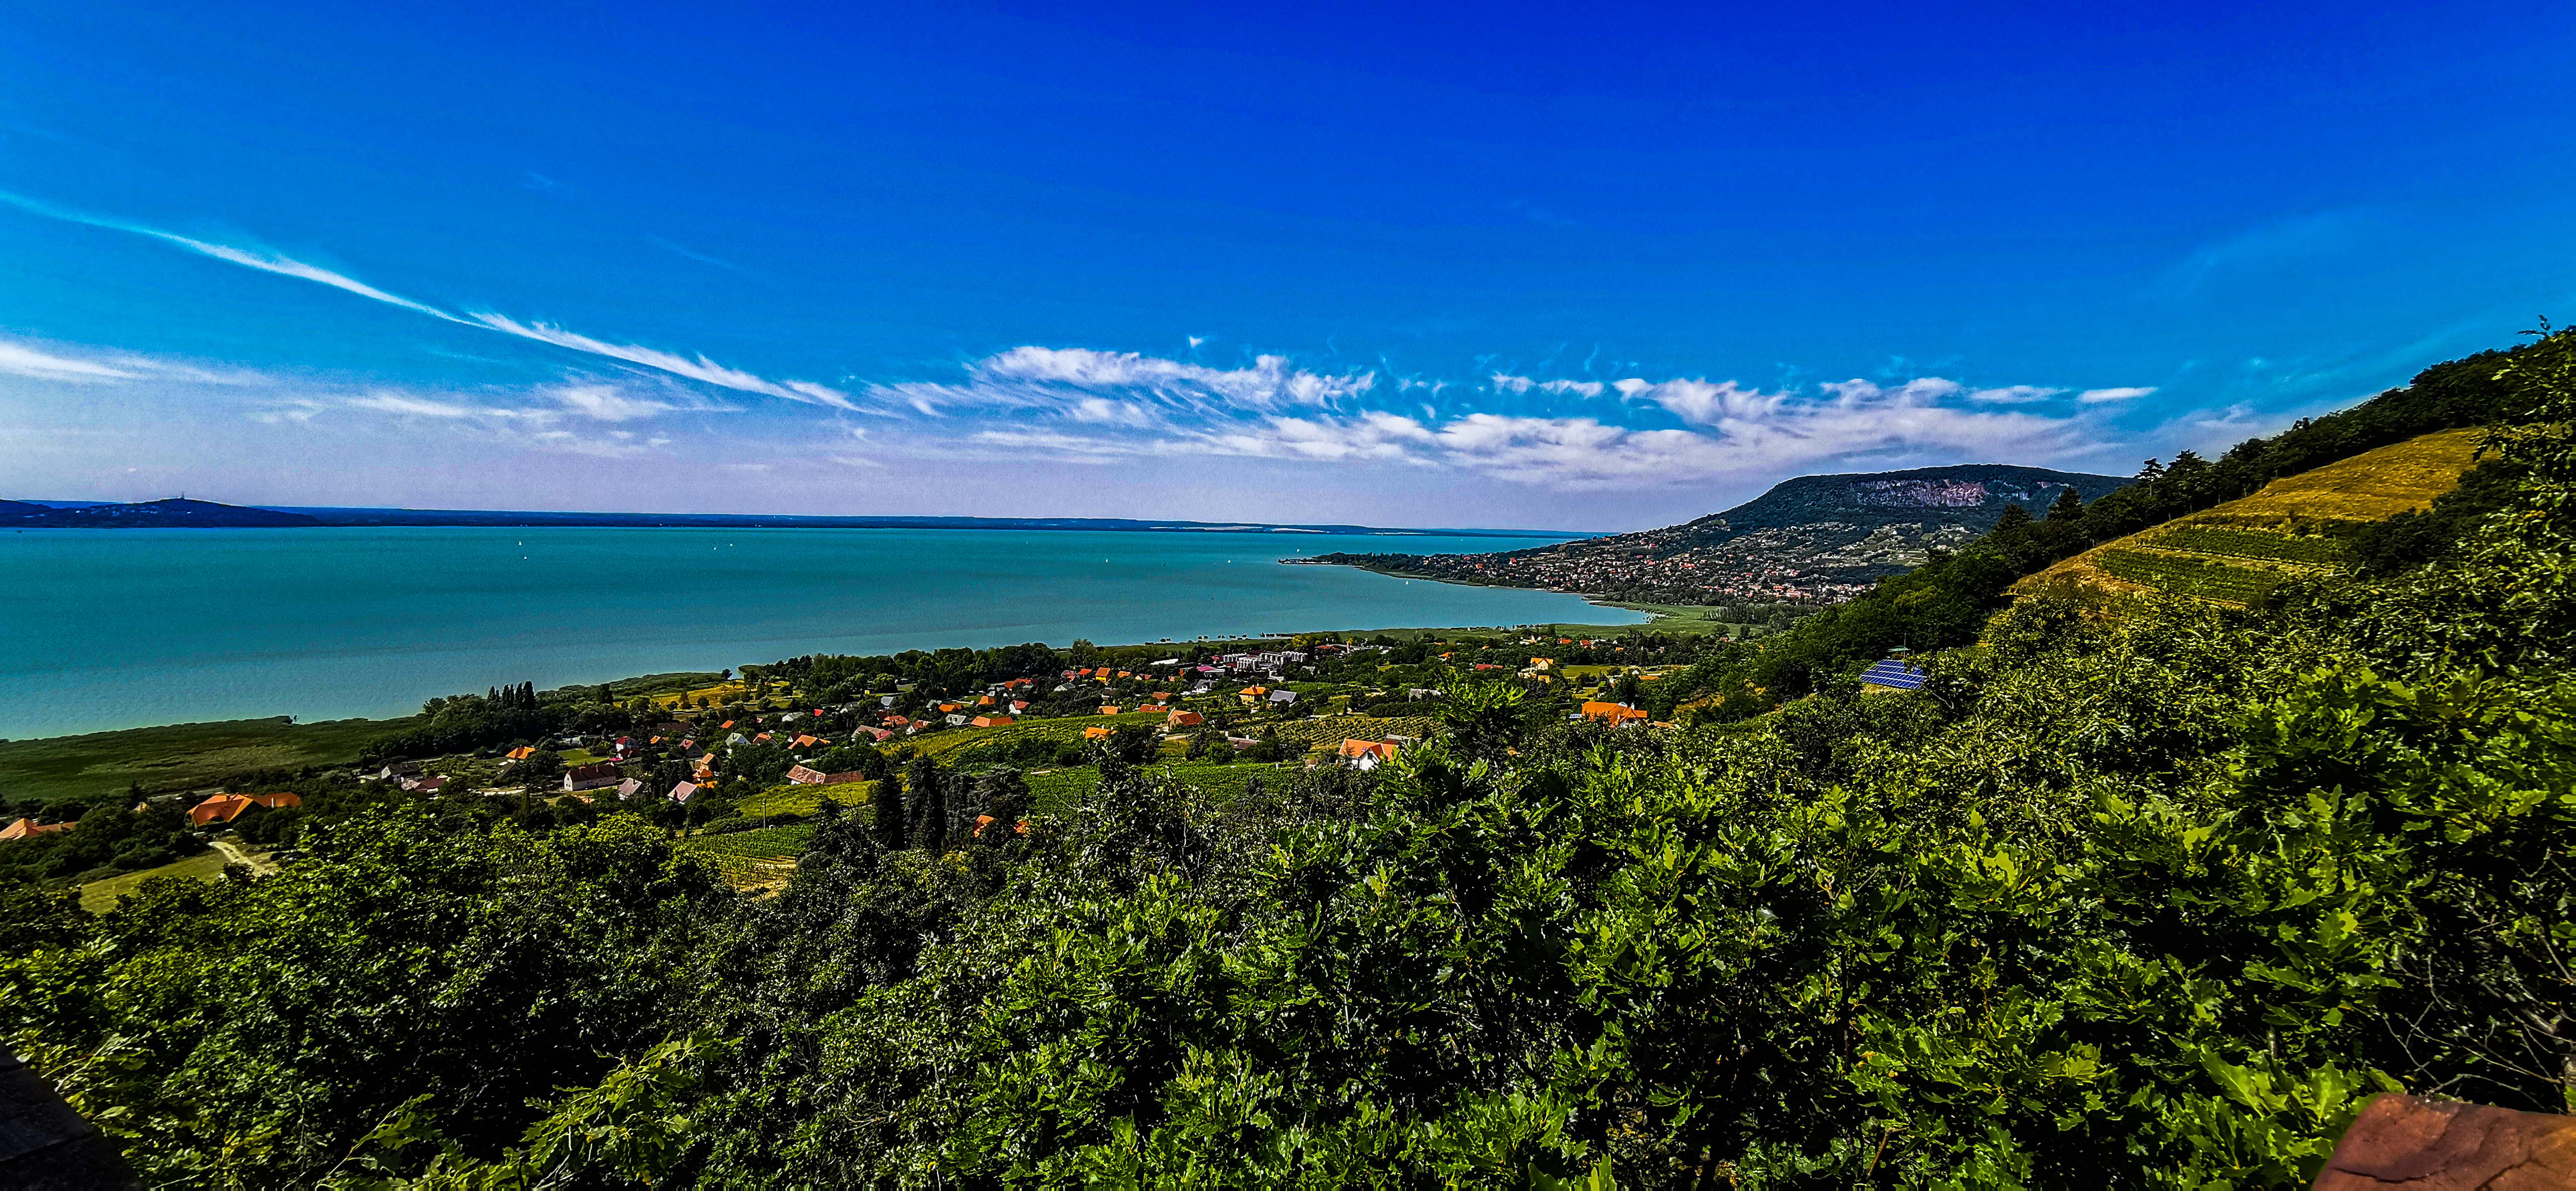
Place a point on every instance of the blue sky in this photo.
(1541, 266)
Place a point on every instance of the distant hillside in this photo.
(2236, 553)
(22, 514)
(174, 513)
(1811, 537)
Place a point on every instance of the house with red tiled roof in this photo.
(991, 721)
(800, 775)
(1183, 719)
(591, 777)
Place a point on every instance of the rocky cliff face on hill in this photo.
(1813, 537)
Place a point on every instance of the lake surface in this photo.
(122, 628)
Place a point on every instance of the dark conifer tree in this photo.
(2068, 506)
(886, 805)
(929, 805)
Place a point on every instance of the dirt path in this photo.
(259, 862)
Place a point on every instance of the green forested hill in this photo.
(2152, 899)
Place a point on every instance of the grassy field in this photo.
(2236, 553)
(178, 756)
(98, 897)
(751, 859)
(803, 800)
(1668, 618)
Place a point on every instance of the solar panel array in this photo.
(1895, 674)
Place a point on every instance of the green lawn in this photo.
(98, 897)
(178, 756)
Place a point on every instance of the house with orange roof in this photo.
(29, 829)
(806, 742)
(1109, 709)
(991, 721)
(1368, 754)
(1613, 714)
(522, 753)
(1183, 719)
(222, 808)
(1097, 731)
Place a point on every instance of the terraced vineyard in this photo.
(751, 859)
(2238, 552)
(2314, 549)
(2190, 575)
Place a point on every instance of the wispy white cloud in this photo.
(422, 407)
(1112, 406)
(701, 368)
(608, 403)
(19, 360)
(2014, 394)
(1077, 379)
(2098, 396)
(1505, 382)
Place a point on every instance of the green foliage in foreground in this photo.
(2147, 899)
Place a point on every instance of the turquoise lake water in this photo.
(122, 628)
